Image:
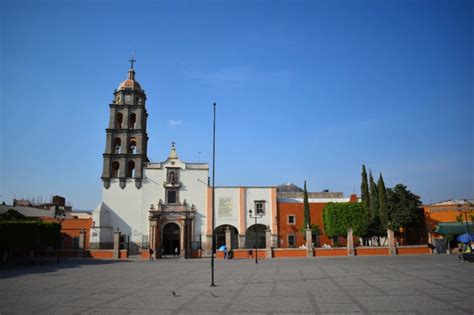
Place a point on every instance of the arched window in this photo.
(115, 169)
(132, 121)
(118, 120)
(132, 145)
(117, 145)
(131, 169)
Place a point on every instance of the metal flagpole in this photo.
(213, 199)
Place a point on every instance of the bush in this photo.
(28, 234)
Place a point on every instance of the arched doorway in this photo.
(171, 239)
(250, 236)
(220, 236)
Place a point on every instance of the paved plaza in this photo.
(437, 284)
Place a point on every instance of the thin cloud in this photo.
(174, 123)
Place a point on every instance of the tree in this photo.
(383, 209)
(12, 215)
(374, 199)
(364, 188)
(403, 208)
(338, 218)
(307, 214)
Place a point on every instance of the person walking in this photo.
(175, 252)
(151, 254)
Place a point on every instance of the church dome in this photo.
(130, 83)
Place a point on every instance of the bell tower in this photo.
(126, 143)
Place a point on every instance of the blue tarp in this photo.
(223, 247)
(466, 238)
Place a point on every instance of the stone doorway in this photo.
(171, 239)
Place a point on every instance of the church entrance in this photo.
(171, 239)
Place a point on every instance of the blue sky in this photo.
(306, 90)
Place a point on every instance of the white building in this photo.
(168, 205)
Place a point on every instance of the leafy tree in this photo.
(403, 208)
(338, 218)
(383, 208)
(307, 214)
(12, 215)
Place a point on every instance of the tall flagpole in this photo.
(213, 199)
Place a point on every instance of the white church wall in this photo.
(194, 190)
(153, 191)
(257, 194)
(124, 208)
(227, 206)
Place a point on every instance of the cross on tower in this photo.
(132, 61)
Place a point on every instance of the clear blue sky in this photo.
(306, 90)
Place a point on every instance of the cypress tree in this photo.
(383, 208)
(374, 199)
(307, 215)
(364, 189)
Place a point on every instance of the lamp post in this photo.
(465, 215)
(60, 218)
(256, 216)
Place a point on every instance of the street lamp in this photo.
(256, 216)
(465, 215)
(60, 218)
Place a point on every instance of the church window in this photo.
(132, 121)
(291, 219)
(291, 240)
(118, 120)
(115, 169)
(132, 145)
(117, 145)
(260, 207)
(131, 169)
(172, 196)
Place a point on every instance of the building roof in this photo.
(288, 187)
(130, 83)
(452, 228)
(451, 202)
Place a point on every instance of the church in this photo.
(167, 206)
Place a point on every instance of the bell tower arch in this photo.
(126, 137)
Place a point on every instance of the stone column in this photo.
(208, 246)
(116, 254)
(242, 241)
(268, 242)
(391, 242)
(350, 243)
(82, 243)
(188, 249)
(228, 239)
(309, 242)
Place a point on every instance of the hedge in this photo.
(29, 234)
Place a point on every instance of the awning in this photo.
(453, 228)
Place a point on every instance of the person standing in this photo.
(175, 252)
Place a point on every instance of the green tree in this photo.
(364, 188)
(339, 217)
(403, 208)
(383, 209)
(12, 215)
(374, 199)
(307, 214)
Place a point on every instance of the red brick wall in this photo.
(71, 228)
(297, 209)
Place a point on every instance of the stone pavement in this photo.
(437, 284)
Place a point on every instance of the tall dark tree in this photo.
(364, 189)
(307, 214)
(374, 199)
(403, 208)
(383, 209)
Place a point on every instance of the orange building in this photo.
(291, 219)
(448, 217)
(71, 229)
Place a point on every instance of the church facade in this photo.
(167, 206)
